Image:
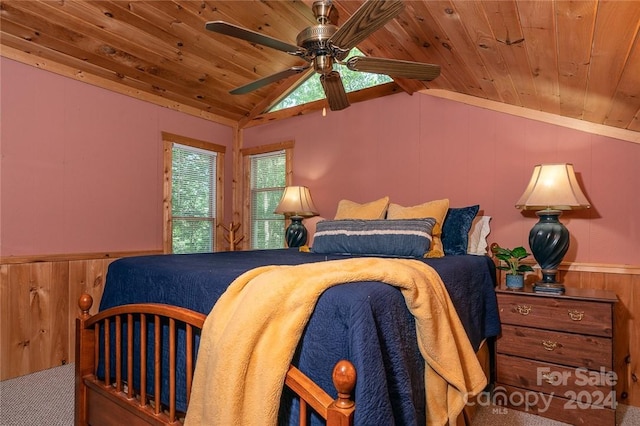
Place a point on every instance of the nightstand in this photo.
(555, 355)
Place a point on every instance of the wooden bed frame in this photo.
(103, 404)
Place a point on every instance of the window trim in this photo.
(246, 153)
(168, 140)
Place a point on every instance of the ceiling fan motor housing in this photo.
(314, 40)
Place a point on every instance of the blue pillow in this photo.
(398, 238)
(455, 229)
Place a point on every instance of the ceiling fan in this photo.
(323, 44)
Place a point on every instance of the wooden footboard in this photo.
(125, 397)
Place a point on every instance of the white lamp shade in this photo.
(296, 201)
(555, 187)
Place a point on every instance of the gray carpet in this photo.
(45, 398)
(39, 399)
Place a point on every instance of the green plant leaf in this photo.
(512, 258)
(519, 252)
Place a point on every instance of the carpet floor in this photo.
(39, 399)
(45, 398)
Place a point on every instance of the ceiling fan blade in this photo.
(334, 90)
(226, 28)
(394, 67)
(371, 16)
(256, 84)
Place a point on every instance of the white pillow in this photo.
(478, 235)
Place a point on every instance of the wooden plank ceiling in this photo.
(578, 59)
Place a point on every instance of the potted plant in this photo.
(515, 269)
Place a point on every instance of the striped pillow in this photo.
(398, 237)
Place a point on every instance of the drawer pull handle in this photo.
(549, 345)
(576, 315)
(523, 309)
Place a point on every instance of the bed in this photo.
(367, 323)
(387, 294)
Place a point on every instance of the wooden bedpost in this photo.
(493, 249)
(85, 345)
(340, 412)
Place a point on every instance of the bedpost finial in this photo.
(344, 379)
(85, 302)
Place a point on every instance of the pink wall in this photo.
(419, 148)
(81, 167)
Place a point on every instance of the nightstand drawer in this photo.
(594, 387)
(563, 348)
(577, 316)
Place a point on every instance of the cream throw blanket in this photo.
(249, 338)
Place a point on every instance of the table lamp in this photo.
(296, 203)
(552, 189)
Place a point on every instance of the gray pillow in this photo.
(390, 237)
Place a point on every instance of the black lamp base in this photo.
(556, 288)
(296, 234)
(548, 283)
(549, 242)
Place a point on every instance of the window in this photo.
(267, 186)
(193, 199)
(192, 176)
(311, 90)
(268, 174)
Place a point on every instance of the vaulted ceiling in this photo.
(577, 59)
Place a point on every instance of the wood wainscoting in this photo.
(39, 305)
(624, 281)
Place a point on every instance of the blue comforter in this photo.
(367, 323)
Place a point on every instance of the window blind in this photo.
(268, 179)
(193, 199)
